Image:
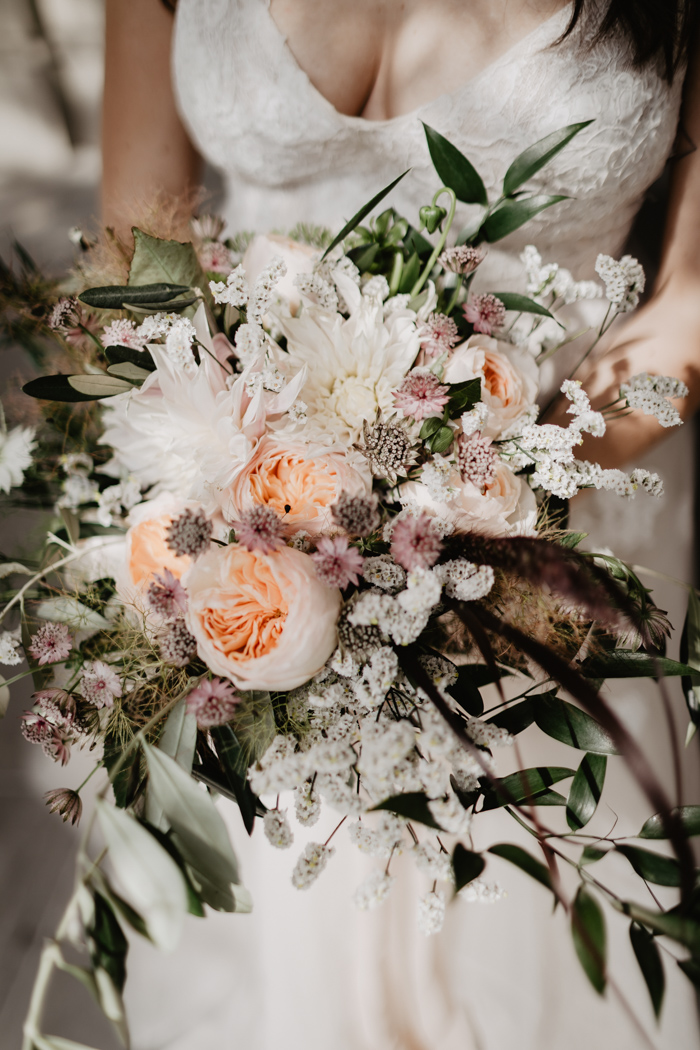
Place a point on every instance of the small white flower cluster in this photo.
(431, 912)
(481, 892)
(78, 487)
(115, 501)
(318, 290)
(383, 572)
(404, 617)
(550, 279)
(624, 281)
(10, 653)
(261, 296)
(474, 419)
(310, 865)
(277, 829)
(464, 580)
(651, 395)
(234, 292)
(373, 890)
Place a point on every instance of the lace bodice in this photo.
(288, 155)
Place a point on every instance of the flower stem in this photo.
(441, 243)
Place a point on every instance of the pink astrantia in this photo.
(55, 704)
(438, 335)
(476, 459)
(51, 643)
(421, 394)
(100, 685)
(337, 563)
(213, 703)
(414, 543)
(485, 312)
(123, 333)
(463, 259)
(215, 257)
(35, 728)
(167, 596)
(261, 529)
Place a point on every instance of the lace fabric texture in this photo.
(306, 971)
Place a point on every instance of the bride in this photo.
(308, 107)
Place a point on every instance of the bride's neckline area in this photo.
(524, 44)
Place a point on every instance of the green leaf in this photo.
(586, 790)
(623, 663)
(571, 540)
(98, 386)
(234, 763)
(364, 256)
(143, 309)
(569, 724)
(649, 959)
(410, 273)
(441, 440)
(689, 817)
(589, 935)
(430, 427)
(690, 653)
(57, 1042)
(691, 969)
(683, 930)
(126, 370)
(592, 854)
(109, 946)
(142, 358)
(515, 719)
(72, 612)
(200, 832)
(113, 296)
(521, 303)
(466, 692)
(463, 396)
(126, 781)
(531, 160)
(523, 860)
(466, 865)
(362, 213)
(179, 735)
(55, 388)
(512, 214)
(413, 805)
(150, 878)
(652, 867)
(454, 169)
(525, 785)
(155, 260)
(4, 697)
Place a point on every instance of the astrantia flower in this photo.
(337, 564)
(462, 259)
(356, 515)
(177, 646)
(123, 333)
(437, 335)
(189, 534)
(476, 459)
(66, 803)
(215, 257)
(100, 684)
(388, 450)
(64, 315)
(167, 596)
(261, 529)
(277, 830)
(56, 705)
(213, 703)
(414, 543)
(421, 395)
(310, 864)
(485, 312)
(16, 447)
(51, 643)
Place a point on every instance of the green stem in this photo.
(441, 243)
(91, 335)
(396, 272)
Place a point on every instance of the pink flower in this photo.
(337, 564)
(57, 747)
(213, 703)
(215, 257)
(421, 394)
(35, 728)
(122, 333)
(167, 596)
(51, 643)
(463, 258)
(100, 685)
(261, 529)
(485, 312)
(438, 335)
(476, 459)
(56, 705)
(414, 543)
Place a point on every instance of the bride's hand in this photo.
(146, 153)
(664, 336)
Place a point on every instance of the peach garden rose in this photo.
(508, 379)
(265, 621)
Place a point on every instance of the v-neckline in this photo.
(363, 122)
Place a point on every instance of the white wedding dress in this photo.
(306, 969)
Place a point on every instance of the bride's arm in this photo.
(664, 336)
(145, 149)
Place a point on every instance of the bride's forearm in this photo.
(145, 148)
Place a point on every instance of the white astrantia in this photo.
(624, 281)
(431, 912)
(310, 864)
(10, 653)
(464, 580)
(353, 365)
(277, 830)
(234, 292)
(374, 890)
(16, 448)
(650, 394)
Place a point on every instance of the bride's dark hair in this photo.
(658, 30)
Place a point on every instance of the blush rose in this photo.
(508, 379)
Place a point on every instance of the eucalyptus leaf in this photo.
(113, 296)
(362, 213)
(531, 160)
(108, 945)
(57, 388)
(413, 805)
(466, 866)
(513, 214)
(177, 740)
(585, 792)
(522, 304)
(590, 939)
(126, 370)
(525, 786)
(98, 386)
(142, 358)
(649, 959)
(72, 612)
(150, 878)
(158, 260)
(569, 724)
(689, 817)
(623, 663)
(456, 172)
(525, 861)
(515, 719)
(234, 762)
(679, 928)
(592, 854)
(167, 307)
(650, 866)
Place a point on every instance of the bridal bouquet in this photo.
(306, 514)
